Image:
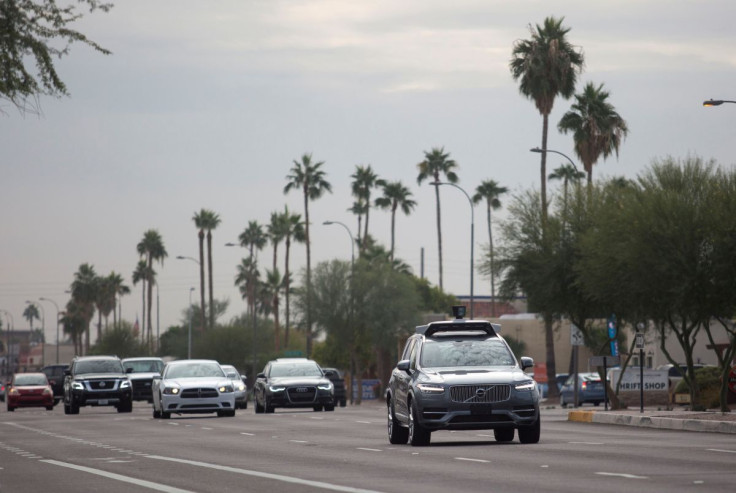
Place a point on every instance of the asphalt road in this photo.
(344, 450)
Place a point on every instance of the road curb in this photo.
(700, 425)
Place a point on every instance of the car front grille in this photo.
(302, 393)
(102, 384)
(198, 393)
(480, 393)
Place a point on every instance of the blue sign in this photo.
(614, 348)
(612, 327)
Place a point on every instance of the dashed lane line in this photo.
(621, 475)
(472, 460)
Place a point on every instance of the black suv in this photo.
(55, 376)
(97, 381)
(339, 383)
(461, 375)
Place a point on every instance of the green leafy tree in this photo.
(151, 248)
(120, 341)
(308, 177)
(546, 66)
(436, 165)
(36, 32)
(597, 128)
(490, 192)
(395, 196)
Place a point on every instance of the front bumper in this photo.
(107, 398)
(295, 396)
(178, 404)
(30, 400)
(440, 412)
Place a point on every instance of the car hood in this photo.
(453, 376)
(298, 381)
(100, 376)
(189, 383)
(143, 375)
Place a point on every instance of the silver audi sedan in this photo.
(192, 387)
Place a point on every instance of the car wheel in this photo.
(503, 434)
(397, 434)
(530, 434)
(125, 408)
(258, 408)
(50, 408)
(268, 408)
(11, 409)
(156, 414)
(67, 408)
(317, 408)
(418, 435)
(597, 403)
(73, 408)
(563, 404)
(330, 407)
(343, 403)
(165, 415)
(245, 404)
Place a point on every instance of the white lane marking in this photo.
(471, 460)
(544, 466)
(481, 435)
(248, 434)
(259, 474)
(364, 422)
(586, 443)
(173, 424)
(205, 428)
(698, 482)
(621, 475)
(315, 417)
(369, 449)
(721, 450)
(119, 477)
(298, 441)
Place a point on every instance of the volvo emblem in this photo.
(480, 393)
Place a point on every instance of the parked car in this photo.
(2, 390)
(338, 382)
(461, 375)
(29, 390)
(193, 386)
(97, 381)
(55, 376)
(292, 382)
(590, 389)
(239, 386)
(141, 373)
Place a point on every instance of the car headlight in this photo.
(526, 385)
(77, 386)
(224, 389)
(125, 384)
(14, 391)
(47, 391)
(241, 387)
(427, 388)
(276, 388)
(325, 386)
(171, 390)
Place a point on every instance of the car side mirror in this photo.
(232, 376)
(330, 374)
(261, 375)
(403, 365)
(526, 362)
(67, 372)
(129, 370)
(244, 379)
(157, 377)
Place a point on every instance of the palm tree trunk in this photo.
(150, 305)
(393, 229)
(288, 286)
(209, 268)
(202, 316)
(309, 273)
(543, 170)
(493, 270)
(439, 229)
(276, 328)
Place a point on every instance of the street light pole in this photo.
(57, 325)
(43, 330)
(472, 236)
(716, 102)
(350, 313)
(538, 150)
(189, 344)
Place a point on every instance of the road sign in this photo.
(605, 360)
(576, 336)
(639, 341)
(612, 327)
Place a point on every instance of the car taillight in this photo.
(584, 385)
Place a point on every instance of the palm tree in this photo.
(359, 209)
(200, 221)
(84, 292)
(308, 177)
(141, 274)
(104, 302)
(546, 66)
(212, 220)
(567, 173)
(597, 128)
(253, 238)
(293, 228)
(73, 322)
(152, 248)
(490, 191)
(271, 289)
(437, 163)
(247, 281)
(395, 196)
(119, 290)
(364, 179)
(30, 313)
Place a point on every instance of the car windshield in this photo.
(474, 352)
(98, 366)
(194, 370)
(145, 365)
(230, 369)
(30, 380)
(295, 370)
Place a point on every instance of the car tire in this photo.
(73, 408)
(156, 414)
(317, 408)
(11, 409)
(419, 436)
(397, 434)
(257, 407)
(245, 404)
(67, 408)
(530, 434)
(563, 404)
(125, 408)
(329, 407)
(165, 415)
(226, 414)
(343, 403)
(50, 408)
(268, 408)
(503, 434)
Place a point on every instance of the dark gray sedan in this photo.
(292, 382)
(461, 375)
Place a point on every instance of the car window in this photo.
(407, 349)
(29, 380)
(98, 366)
(194, 370)
(454, 353)
(145, 366)
(295, 370)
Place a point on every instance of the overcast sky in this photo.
(207, 105)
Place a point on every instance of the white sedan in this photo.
(193, 386)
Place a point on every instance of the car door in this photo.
(259, 386)
(402, 379)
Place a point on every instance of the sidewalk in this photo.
(713, 422)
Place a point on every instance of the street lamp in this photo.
(57, 325)
(538, 150)
(182, 257)
(189, 345)
(716, 102)
(43, 330)
(350, 314)
(472, 234)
